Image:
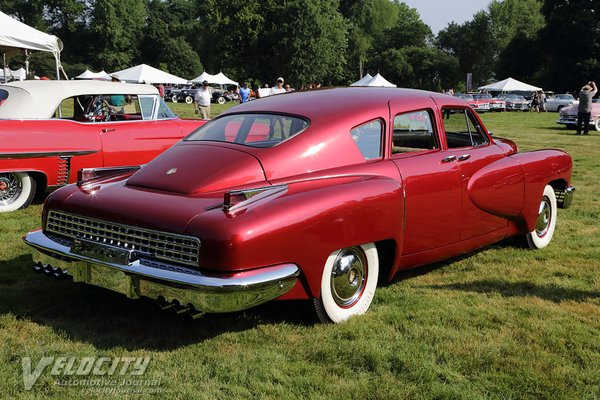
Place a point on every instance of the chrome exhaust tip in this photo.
(179, 309)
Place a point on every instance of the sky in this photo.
(439, 13)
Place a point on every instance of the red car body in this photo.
(365, 187)
(45, 142)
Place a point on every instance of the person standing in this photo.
(279, 88)
(202, 100)
(244, 93)
(584, 110)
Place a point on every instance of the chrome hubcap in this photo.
(10, 188)
(348, 276)
(544, 217)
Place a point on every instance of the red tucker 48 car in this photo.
(50, 128)
(311, 195)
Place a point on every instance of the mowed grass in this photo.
(502, 323)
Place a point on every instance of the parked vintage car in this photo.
(51, 129)
(184, 95)
(478, 105)
(308, 195)
(495, 104)
(558, 102)
(514, 102)
(568, 116)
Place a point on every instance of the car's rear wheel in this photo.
(174, 99)
(221, 100)
(348, 283)
(189, 99)
(559, 108)
(545, 224)
(16, 190)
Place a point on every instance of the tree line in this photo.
(551, 43)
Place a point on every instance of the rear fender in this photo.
(302, 226)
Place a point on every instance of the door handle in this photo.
(448, 159)
(104, 130)
(464, 157)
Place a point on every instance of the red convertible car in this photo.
(48, 129)
(311, 195)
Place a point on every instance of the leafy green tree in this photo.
(511, 19)
(116, 26)
(571, 43)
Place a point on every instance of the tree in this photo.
(571, 42)
(116, 26)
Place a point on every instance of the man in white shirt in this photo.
(202, 100)
(279, 88)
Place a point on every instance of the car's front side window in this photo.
(462, 129)
(413, 131)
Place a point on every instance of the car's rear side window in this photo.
(3, 96)
(413, 131)
(367, 138)
(256, 130)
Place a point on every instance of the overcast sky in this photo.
(439, 13)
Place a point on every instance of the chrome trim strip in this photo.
(43, 154)
(140, 278)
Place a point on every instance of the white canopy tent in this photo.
(87, 74)
(146, 74)
(205, 76)
(218, 79)
(509, 85)
(16, 75)
(377, 80)
(16, 35)
(364, 80)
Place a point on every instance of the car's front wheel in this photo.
(597, 124)
(174, 99)
(348, 283)
(545, 224)
(16, 190)
(189, 99)
(221, 100)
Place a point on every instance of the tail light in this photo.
(87, 176)
(237, 199)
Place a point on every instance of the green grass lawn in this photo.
(503, 323)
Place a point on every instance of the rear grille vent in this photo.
(156, 244)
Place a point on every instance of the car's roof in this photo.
(39, 99)
(338, 102)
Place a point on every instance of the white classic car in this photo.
(568, 116)
(558, 102)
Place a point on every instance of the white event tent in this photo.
(16, 35)
(377, 80)
(218, 79)
(18, 75)
(146, 74)
(364, 80)
(509, 85)
(87, 74)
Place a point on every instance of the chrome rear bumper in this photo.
(158, 280)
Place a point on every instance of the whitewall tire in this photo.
(348, 283)
(542, 234)
(16, 190)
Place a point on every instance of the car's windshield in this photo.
(465, 96)
(256, 130)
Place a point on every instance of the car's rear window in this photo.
(3, 96)
(256, 130)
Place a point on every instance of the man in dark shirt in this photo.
(584, 110)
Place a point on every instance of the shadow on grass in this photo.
(521, 289)
(107, 319)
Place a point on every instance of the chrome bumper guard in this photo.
(564, 198)
(158, 280)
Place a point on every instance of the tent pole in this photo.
(57, 58)
(4, 67)
(27, 54)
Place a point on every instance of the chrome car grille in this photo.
(154, 244)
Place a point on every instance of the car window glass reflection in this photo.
(461, 129)
(367, 138)
(413, 131)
